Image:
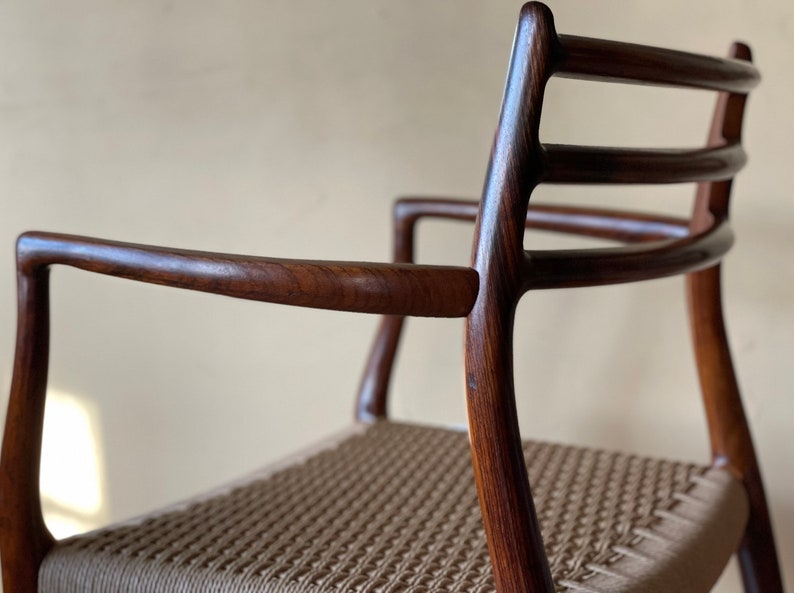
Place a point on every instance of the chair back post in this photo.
(731, 440)
(517, 554)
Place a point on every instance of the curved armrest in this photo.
(402, 289)
(399, 289)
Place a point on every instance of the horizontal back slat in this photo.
(630, 263)
(631, 227)
(584, 164)
(597, 59)
(602, 223)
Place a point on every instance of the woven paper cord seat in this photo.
(394, 508)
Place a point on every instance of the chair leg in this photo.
(731, 441)
(757, 554)
(24, 538)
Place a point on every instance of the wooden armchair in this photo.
(395, 507)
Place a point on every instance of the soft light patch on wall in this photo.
(72, 476)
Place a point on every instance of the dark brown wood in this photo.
(371, 402)
(731, 441)
(597, 267)
(518, 163)
(577, 164)
(598, 59)
(511, 526)
(24, 539)
(436, 291)
(631, 227)
(601, 223)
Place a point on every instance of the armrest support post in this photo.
(24, 538)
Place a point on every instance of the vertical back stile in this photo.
(514, 540)
(729, 432)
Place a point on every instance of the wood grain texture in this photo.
(731, 440)
(598, 59)
(600, 266)
(630, 227)
(519, 162)
(372, 400)
(511, 526)
(577, 164)
(24, 539)
(601, 223)
(436, 291)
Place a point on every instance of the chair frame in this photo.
(486, 294)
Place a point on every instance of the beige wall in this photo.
(285, 129)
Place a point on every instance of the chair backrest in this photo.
(519, 162)
(660, 246)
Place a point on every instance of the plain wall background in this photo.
(285, 129)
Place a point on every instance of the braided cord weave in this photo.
(393, 509)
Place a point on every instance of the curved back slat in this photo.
(597, 267)
(601, 223)
(597, 59)
(578, 164)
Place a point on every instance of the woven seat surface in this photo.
(394, 509)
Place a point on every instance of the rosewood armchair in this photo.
(395, 507)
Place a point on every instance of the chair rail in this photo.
(585, 164)
(598, 59)
(600, 223)
(597, 267)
